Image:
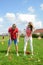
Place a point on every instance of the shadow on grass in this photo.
(3, 51)
(13, 52)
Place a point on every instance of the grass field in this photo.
(12, 59)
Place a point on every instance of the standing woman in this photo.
(28, 36)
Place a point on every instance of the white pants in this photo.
(26, 42)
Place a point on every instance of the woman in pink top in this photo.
(28, 36)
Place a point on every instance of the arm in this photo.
(33, 30)
(9, 35)
(9, 31)
(18, 36)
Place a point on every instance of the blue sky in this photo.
(20, 12)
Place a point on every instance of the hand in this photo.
(10, 40)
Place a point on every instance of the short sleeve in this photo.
(17, 30)
(9, 30)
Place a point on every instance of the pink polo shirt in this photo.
(28, 31)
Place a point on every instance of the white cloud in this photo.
(10, 16)
(21, 20)
(38, 24)
(1, 19)
(31, 9)
(26, 17)
(41, 6)
(1, 25)
(20, 17)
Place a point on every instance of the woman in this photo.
(28, 36)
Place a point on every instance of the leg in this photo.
(16, 46)
(31, 45)
(25, 45)
(9, 45)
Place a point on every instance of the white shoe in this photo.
(32, 54)
(17, 54)
(7, 54)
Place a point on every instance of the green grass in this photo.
(12, 59)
